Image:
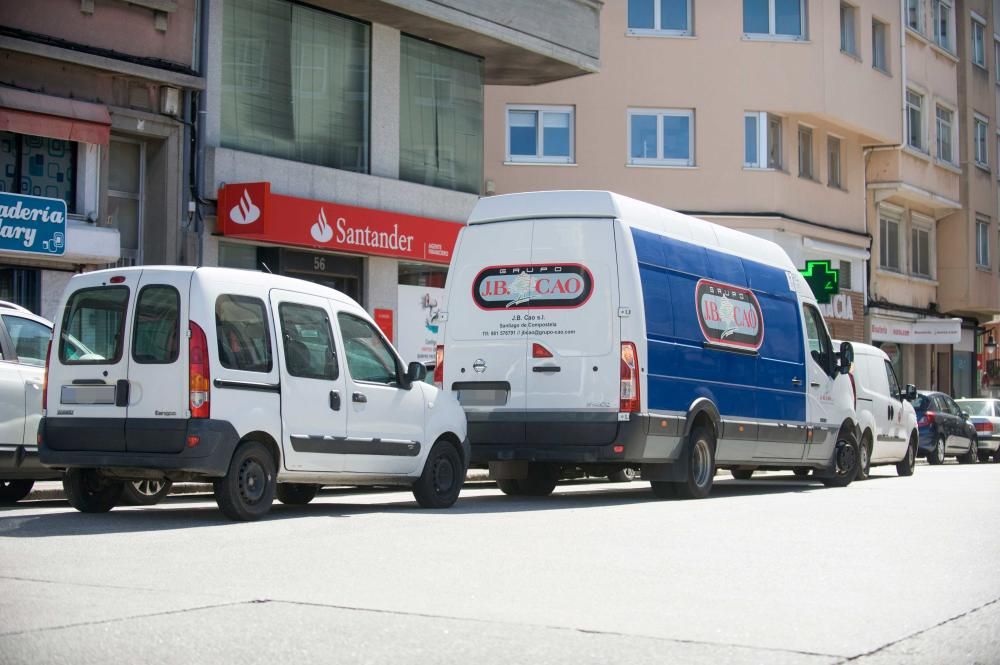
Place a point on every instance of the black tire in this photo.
(742, 474)
(442, 478)
(246, 492)
(937, 455)
(90, 492)
(145, 492)
(802, 471)
(296, 494)
(12, 491)
(699, 465)
(865, 465)
(540, 481)
(907, 464)
(846, 462)
(624, 475)
(971, 456)
(984, 456)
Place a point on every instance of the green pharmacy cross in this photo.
(824, 280)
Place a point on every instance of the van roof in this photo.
(862, 349)
(631, 212)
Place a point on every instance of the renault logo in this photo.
(479, 366)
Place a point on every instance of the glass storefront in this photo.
(21, 286)
(38, 166)
(421, 274)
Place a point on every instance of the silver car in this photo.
(985, 415)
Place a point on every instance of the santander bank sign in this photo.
(251, 211)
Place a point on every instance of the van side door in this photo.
(820, 374)
(895, 435)
(313, 400)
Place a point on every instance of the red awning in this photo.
(54, 117)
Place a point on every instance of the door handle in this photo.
(814, 384)
(121, 392)
(335, 400)
(891, 412)
(547, 368)
(796, 381)
(359, 398)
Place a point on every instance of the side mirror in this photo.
(964, 414)
(415, 372)
(911, 392)
(846, 356)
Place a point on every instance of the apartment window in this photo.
(540, 134)
(880, 50)
(981, 131)
(915, 120)
(982, 242)
(665, 17)
(440, 116)
(805, 152)
(844, 276)
(784, 19)
(945, 127)
(833, 161)
(915, 14)
(661, 137)
(996, 58)
(978, 43)
(848, 29)
(920, 250)
(39, 166)
(762, 141)
(295, 83)
(942, 15)
(888, 243)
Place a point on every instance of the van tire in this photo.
(89, 492)
(937, 455)
(865, 466)
(907, 464)
(742, 474)
(12, 491)
(246, 492)
(699, 465)
(145, 492)
(441, 481)
(540, 481)
(296, 494)
(846, 461)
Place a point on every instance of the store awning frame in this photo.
(36, 114)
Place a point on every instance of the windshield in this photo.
(976, 407)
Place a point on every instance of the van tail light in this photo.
(629, 379)
(439, 366)
(45, 380)
(200, 379)
(539, 351)
(926, 419)
(986, 427)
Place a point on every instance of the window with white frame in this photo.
(844, 276)
(920, 248)
(945, 127)
(880, 48)
(762, 141)
(661, 137)
(781, 19)
(848, 28)
(540, 134)
(996, 58)
(981, 125)
(998, 154)
(833, 162)
(888, 241)
(941, 12)
(659, 17)
(915, 120)
(978, 42)
(805, 152)
(915, 14)
(982, 241)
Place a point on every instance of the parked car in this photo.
(888, 421)
(264, 385)
(985, 417)
(945, 429)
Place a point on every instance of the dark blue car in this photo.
(945, 430)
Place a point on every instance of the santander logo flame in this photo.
(321, 231)
(244, 212)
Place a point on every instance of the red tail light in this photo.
(200, 379)
(539, 351)
(439, 366)
(984, 427)
(45, 381)
(926, 419)
(629, 379)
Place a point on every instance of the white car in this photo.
(985, 415)
(264, 385)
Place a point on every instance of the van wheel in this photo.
(802, 471)
(865, 465)
(906, 466)
(540, 481)
(12, 491)
(624, 475)
(969, 457)
(90, 492)
(699, 465)
(846, 462)
(246, 492)
(936, 456)
(742, 474)
(145, 492)
(442, 478)
(296, 494)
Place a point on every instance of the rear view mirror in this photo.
(415, 372)
(911, 392)
(964, 414)
(846, 357)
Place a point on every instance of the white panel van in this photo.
(264, 385)
(587, 328)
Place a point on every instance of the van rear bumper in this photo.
(210, 457)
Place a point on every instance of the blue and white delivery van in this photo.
(585, 328)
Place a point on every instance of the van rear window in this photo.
(95, 319)
(156, 330)
(244, 338)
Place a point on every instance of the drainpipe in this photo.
(199, 120)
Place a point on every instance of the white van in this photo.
(263, 384)
(886, 418)
(587, 328)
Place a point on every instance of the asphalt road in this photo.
(773, 570)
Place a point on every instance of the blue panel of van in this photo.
(680, 368)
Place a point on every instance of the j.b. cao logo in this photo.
(244, 212)
(535, 286)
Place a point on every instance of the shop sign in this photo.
(32, 224)
(383, 319)
(823, 279)
(840, 307)
(251, 211)
(920, 331)
(419, 309)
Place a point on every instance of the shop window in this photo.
(415, 274)
(38, 166)
(295, 83)
(21, 286)
(441, 116)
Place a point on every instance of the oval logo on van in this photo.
(543, 286)
(729, 315)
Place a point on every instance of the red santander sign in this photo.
(251, 211)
